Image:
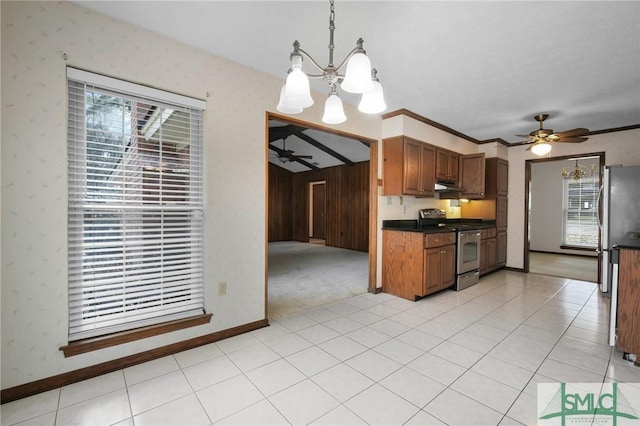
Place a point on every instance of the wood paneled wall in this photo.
(347, 197)
(280, 214)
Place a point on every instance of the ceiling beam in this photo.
(324, 148)
(280, 132)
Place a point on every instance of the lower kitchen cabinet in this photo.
(628, 314)
(501, 249)
(439, 268)
(416, 264)
(488, 250)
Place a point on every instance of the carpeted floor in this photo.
(304, 275)
(557, 265)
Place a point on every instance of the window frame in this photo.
(592, 210)
(77, 142)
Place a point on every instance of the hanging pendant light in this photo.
(358, 78)
(372, 102)
(333, 110)
(284, 108)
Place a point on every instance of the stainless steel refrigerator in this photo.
(619, 207)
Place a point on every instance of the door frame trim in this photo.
(527, 199)
(374, 182)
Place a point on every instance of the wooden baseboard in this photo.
(374, 290)
(568, 254)
(509, 268)
(64, 379)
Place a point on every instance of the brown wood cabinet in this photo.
(439, 261)
(501, 249)
(472, 176)
(488, 246)
(494, 204)
(408, 167)
(497, 172)
(447, 165)
(628, 319)
(416, 264)
(501, 213)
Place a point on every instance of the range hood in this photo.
(446, 187)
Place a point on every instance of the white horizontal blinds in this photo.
(135, 210)
(580, 225)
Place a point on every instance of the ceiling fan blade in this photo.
(302, 156)
(523, 136)
(573, 132)
(571, 140)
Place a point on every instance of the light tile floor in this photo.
(459, 358)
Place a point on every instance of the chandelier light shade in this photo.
(358, 78)
(333, 110)
(541, 148)
(284, 108)
(372, 102)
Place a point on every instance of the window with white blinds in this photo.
(580, 214)
(135, 205)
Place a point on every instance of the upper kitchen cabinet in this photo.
(497, 178)
(447, 165)
(409, 167)
(472, 177)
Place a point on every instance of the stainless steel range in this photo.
(468, 258)
(467, 244)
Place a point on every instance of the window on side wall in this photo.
(135, 224)
(580, 212)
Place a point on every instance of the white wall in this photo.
(546, 215)
(34, 173)
(619, 147)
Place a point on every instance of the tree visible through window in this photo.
(135, 210)
(580, 213)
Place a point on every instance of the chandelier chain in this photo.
(332, 27)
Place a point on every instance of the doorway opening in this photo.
(321, 215)
(561, 230)
(317, 212)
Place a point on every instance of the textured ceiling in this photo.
(481, 68)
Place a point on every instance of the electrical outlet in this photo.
(222, 288)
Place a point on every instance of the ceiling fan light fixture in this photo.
(333, 109)
(372, 102)
(541, 148)
(357, 79)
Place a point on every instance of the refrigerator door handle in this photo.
(598, 203)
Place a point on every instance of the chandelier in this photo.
(578, 172)
(359, 77)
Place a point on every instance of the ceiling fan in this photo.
(540, 139)
(285, 155)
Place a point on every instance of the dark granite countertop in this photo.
(449, 225)
(631, 241)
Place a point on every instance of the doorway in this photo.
(318, 207)
(561, 213)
